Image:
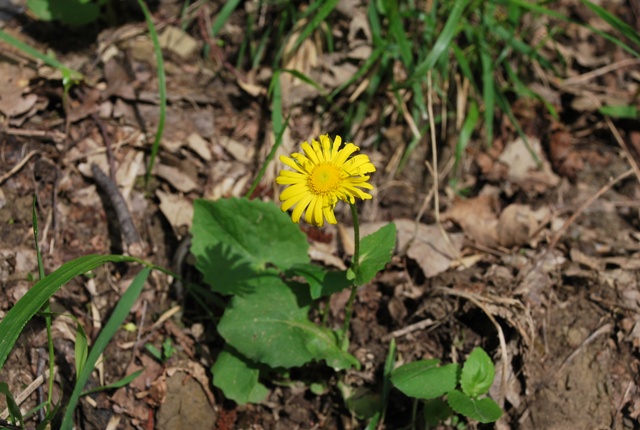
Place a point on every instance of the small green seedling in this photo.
(428, 381)
(162, 356)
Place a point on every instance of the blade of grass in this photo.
(226, 11)
(324, 10)
(270, 156)
(466, 131)
(449, 31)
(521, 89)
(540, 9)
(275, 91)
(46, 308)
(506, 108)
(162, 87)
(306, 79)
(68, 73)
(369, 62)
(621, 26)
(118, 316)
(488, 91)
(17, 317)
(81, 348)
(118, 384)
(396, 28)
(14, 410)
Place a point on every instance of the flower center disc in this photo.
(325, 178)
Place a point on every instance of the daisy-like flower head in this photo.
(323, 175)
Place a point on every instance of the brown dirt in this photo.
(563, 292)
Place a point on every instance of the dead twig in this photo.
(28, 391)
(558, 234)
(475, 299)
(55, 136)
(420, 325)
(605, 329)
(131, 236)
(17, 167)
(601, 71)
(107, 145)
(436, 178)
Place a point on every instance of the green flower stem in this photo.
(348, 312)
(46, 309)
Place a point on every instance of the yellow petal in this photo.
(289, 162)
(294, 190)
(344, 153)
(302, 205)
(325, 140)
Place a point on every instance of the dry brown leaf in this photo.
(516, 225)
(523, 168)
(178, 42)
(13, 86)
(200, 146)
(477, 217)
(178, 210)
(177, 178)
(594, 263)
(433, 253)
(423, 243)
(242, 153)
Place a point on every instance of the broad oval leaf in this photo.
(477, 373)
(270, 325)
(237, 377)
(375, 252)
(425, 379)
(484, 410)
(235, 240)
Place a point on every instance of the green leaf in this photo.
(237, 377)
(14, 321)
(270, 325)
(322, 282)
(620, 111)
(467, 129)
(155, 352)
(81, 348)
(14, 409)
(484, 410)
(71, 12)
(118, 384)
(162, 88)
(115, 321)
(425, 379)
(234, 240)
(614, 22)
(436, 411)
(477, 373)
(375, 252)
(449, 31)
(52, 62)
(325, 9)
(223, 16)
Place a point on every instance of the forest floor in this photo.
(539, 264)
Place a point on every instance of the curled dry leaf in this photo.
(177, 178)
(516, 225)
(423, 243)
(178, 42)
(477, 217)
(523, 167)
(178, 210)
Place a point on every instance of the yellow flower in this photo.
(323, 175)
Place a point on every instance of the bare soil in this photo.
(540, 264)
